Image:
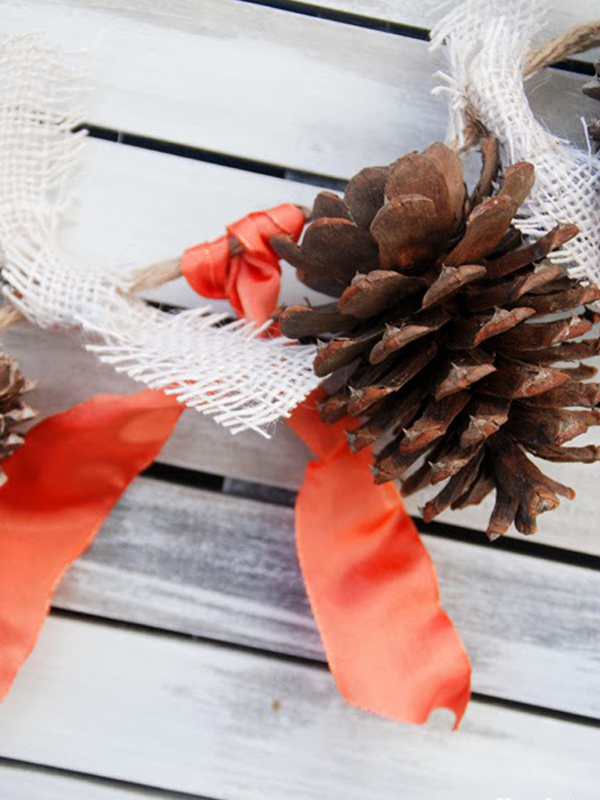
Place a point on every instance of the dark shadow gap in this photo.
(183, 476)
(525, 546)
(346, 17)
(539, 711)
(516, 705)
(212, 157)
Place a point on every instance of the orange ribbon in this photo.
(250, 279)
(371, 583)
(61, 486)
(372, 587)
(75, 466)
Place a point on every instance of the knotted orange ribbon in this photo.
(371, 583)
(373, 589)
(243, 267)
(75, 466)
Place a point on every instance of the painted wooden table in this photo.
(180, 658)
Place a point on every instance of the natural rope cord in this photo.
(576, 40)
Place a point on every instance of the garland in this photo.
(372, 586)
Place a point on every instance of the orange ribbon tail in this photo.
(61, 486)
(372, 586)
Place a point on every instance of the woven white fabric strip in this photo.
(487, 42)
(225, 370)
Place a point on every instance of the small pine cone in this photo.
(592, 89)
(440, 323)
(594, 133)
(13, 409)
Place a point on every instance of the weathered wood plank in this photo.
(67, 375)
(26, 782)
(265, 83)
(194, 717)
(425, 13)
(225, 567)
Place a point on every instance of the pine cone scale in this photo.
(441, 327)
(13, 409)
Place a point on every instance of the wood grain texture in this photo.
(225, 567)
(155, 205)
(264, 83)
(204, 719)
(425, 13)
(67, 375)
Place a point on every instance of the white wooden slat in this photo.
(223, 567)
(155, 205)
(264, 83)
(194, 717)
(425, 13)
(23, 782)
(67, 375)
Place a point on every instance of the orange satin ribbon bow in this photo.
(372, 586)
(371, 583)
(249, 279)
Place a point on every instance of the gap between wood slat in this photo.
(540, 711)
(346, 17)
(195, 479)
(212, 157)
(274, 495)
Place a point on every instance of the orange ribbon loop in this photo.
(249, 280)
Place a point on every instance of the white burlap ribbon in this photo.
(224, 370)
(487, 44)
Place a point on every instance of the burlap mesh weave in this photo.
(222, 369)
(487, 43)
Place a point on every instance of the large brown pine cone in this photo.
(13, 409)
(438, 324)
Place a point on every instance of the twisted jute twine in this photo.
(575, 40)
